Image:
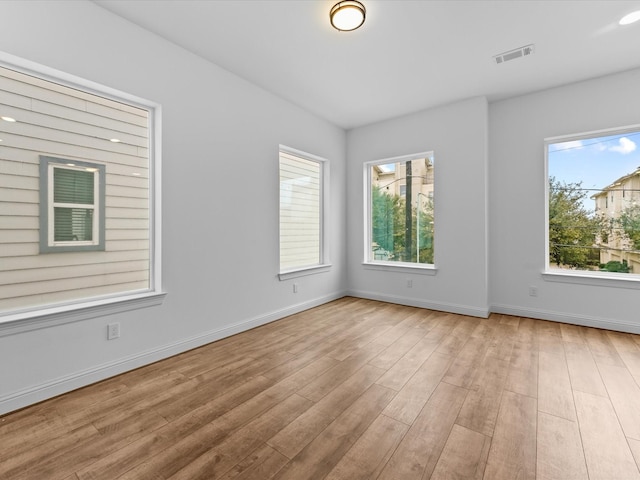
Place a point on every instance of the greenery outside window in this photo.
(71, 205)
(400, 210)
(593, 203)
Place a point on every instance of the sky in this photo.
(596, 162)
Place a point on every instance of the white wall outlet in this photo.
(533, 291)
(409, 283)
(295, 288)
(113, 331)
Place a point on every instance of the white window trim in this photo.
(601, 279)
(47, 223)
(581, 277)
(95, 207)
(29, 320)
(368, 263)
(402, 267)
(303, 271)
(324, 265)
(51, 315)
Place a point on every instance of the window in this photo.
(593, 203)
(302, 186)
(71, 205)
(79, 197)
(400, 213)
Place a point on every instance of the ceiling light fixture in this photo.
(8, 119)
(347, 15)
(114, 140)
(631, 18)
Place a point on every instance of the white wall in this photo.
(220, 246)
(457, 134)
(516, 200)
(220, 241)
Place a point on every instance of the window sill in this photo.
(600, 279)
(301, 272)
(26, 321)
(402, 267)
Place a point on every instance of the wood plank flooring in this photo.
(353, 390)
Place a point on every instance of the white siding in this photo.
(58, 121)
(300, 200)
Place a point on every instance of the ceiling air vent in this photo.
(513, 54)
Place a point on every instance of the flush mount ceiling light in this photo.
(631, 18)
(348, 15)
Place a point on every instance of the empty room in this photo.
(319, 239)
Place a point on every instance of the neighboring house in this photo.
(393, 180)
(610, 204)
(300, 211)
(74, 194)
(390, 225)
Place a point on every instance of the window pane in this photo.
(72, 186)
(300, 197)
(68, 150)
(594, 204)
(402, 220)
(73, 224)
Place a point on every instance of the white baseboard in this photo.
(16, 400)
(20, 399)
(584, 320)
(412, 302)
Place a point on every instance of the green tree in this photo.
(387, 218)
(388, 229)
(629, 222)
(572, 228)
(426, 232)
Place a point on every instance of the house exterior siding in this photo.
(300, 212)
(57, 121)
(610, 204)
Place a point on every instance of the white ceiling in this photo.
(408, 56)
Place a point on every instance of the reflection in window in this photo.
(401, 222)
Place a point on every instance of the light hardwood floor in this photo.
(354, 389)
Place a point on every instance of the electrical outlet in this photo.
(533, 291)
(113, 331)
(409, 283)
(295, 288)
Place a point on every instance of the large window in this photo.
(400, 213)
(302, 186)
(593, 221)
(79, 172)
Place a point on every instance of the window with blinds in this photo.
(301, 188)
(72, 199)
(73, 205)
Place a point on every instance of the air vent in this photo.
(513, 54)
